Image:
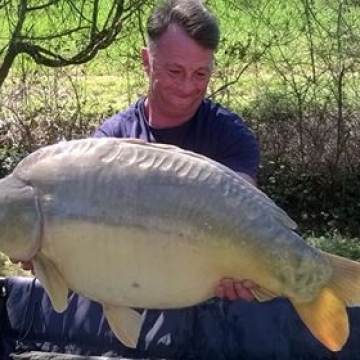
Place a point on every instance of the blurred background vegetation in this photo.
(290, 69)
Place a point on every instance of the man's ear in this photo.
(145, 59)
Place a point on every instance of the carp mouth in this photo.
(21, 219)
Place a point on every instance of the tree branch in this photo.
(63, 34)
(48, 58)
(254, 59)
(43, 6)
(94, 28)
(93, 32)
(11, 53)
(4, 3)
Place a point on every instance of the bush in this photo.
(320, 202)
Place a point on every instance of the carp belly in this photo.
(133, 267)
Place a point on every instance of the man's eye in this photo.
(201, 75)
(174, 72)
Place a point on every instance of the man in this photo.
(182, 39)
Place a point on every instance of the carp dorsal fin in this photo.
(52, 281)
(125, 323)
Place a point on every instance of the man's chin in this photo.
(185, 108)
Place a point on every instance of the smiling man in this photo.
(183, 37)
(179, 71)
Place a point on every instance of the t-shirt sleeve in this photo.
(110, 128)
(238, 147)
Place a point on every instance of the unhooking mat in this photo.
(218, 329)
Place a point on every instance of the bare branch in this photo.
(63, 34)
(46, 57)
(242, 71)
(94, 19)
(11, 55)
(43, 6)
(111, 15)
(3, 50)
(4, 3)
(86, 26)
(78, 11)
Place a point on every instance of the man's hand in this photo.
(235, 290)
(25, 265)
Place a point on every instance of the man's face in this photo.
(179, 71)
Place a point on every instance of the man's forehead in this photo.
(182, 62)
(178, 57)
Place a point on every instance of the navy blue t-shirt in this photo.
(213, 131)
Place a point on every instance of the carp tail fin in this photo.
(326, 315)
(345, 280)
(326, 318)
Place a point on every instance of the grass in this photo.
(110, 93)
(338, 245)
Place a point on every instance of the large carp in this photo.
(132, 224)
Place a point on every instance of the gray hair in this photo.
(191, 15)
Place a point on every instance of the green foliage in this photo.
(319, 205)
(338, 245)
(9, 158)
(304, 170)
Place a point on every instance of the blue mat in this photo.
(218, 329)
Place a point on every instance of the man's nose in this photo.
(188, 86)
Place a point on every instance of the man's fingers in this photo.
(243, 293)
(229, 289)
(248, 284)
(27, 265)
(234, 290)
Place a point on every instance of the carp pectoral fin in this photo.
(326, 318)
(52, 281)
(125, 324)
(262, 294)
